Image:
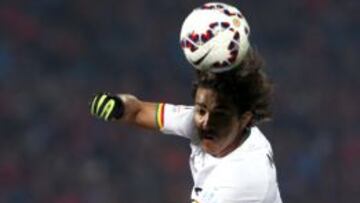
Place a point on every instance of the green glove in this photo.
(107, 107)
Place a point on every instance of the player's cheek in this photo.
(196, 121)
(224, 131)
(226, 137)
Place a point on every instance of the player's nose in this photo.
(205, 122)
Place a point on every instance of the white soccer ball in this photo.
(215, 37)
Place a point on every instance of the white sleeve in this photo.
(175, 119)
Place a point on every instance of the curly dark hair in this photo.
(247, 86)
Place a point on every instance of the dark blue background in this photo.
(55, 54)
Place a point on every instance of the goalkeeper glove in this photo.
(107, 107)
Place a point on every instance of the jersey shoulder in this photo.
(247, 174)
(176, 119)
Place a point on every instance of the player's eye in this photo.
(200, 111)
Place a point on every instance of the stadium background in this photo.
(55, 54)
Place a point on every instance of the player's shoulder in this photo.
(176, 108)
(239, 180)
(244, 171)
(246, 174)
(250, 166)
(172, 111)
(176, 119)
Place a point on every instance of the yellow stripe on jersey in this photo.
(160, 115)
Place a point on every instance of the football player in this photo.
(231, 160)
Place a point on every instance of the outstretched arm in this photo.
(125, 108)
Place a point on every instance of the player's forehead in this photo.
(211, 99)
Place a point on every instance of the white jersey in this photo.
(247, 174)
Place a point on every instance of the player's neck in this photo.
(235, 144)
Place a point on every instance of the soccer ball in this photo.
(215, 37)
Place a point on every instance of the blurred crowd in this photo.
(55, 54)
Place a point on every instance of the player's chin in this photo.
(210, 146)
(208, 142)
